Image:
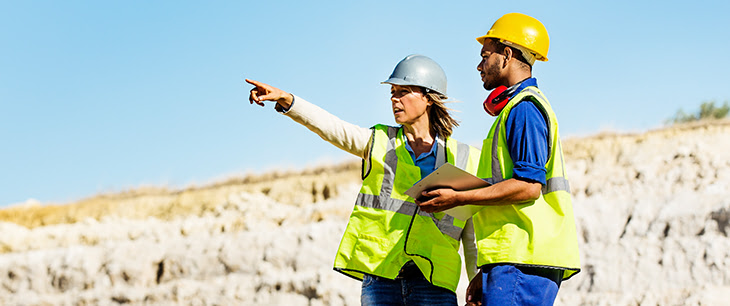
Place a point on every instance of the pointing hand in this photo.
(264, 92)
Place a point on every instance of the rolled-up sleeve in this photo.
(527, 142)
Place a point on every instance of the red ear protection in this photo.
(496, 100)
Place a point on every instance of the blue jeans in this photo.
(511, 285)
(409, 288)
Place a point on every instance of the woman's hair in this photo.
(439, 116)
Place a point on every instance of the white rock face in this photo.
(282, 255)
(652, 212)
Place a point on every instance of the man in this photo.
(526, 236)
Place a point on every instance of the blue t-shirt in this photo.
(527, 138)
(426, 161)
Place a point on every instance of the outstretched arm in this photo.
(342, 134)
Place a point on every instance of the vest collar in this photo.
(519, 87)
(433, 151)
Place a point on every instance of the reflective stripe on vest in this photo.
(540, 233)
(386, 228)
(554, 183)
(384, 201)
(445, 225)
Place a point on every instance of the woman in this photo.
(401, 254)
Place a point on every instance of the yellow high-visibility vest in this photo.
(541, 233)
(386, 229)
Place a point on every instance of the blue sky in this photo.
(104, 96)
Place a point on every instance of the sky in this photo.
(107, 96)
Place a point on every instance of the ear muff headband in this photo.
(496, 100)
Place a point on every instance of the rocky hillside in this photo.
(652, 214)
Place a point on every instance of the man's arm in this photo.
(527, 142)
(508, 192)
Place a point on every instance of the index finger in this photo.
(255, 83)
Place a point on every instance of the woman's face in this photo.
(409, 104)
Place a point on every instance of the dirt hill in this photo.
(652, 212)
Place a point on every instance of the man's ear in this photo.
(507, 56)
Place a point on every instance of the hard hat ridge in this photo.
(522, 32)
(419, 70)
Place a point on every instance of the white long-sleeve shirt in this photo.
(355, 140)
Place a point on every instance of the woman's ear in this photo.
(429, 102)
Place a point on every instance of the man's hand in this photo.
(438, 200)
(474, 291)
(264, 92)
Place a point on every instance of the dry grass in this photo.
(296, 187)
(577, 145)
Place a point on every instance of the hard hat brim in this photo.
(538, 56)
(418, 70)
(481, 39)
(397, 81)
(402, 82)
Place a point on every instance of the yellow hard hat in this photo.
(523, 31)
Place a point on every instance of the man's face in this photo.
(491, 65)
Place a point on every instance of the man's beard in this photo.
(491, 74)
